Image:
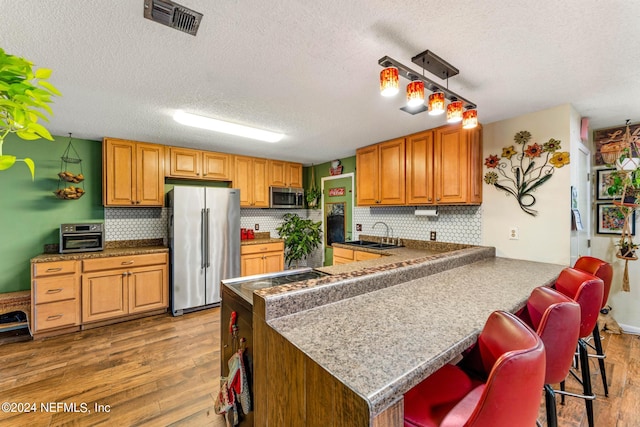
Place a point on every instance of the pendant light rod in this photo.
(430, 85)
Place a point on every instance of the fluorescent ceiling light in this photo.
(197, 121)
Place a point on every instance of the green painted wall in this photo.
(30, 214)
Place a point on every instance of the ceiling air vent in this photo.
(172, 15)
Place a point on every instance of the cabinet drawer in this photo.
(50, 289)
(131, 261)
(56, 314)
(363, 256)
(343, 253)
(338, 260)
(41, 269)
(267, 247)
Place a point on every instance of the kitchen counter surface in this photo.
(109, 252)
(260, 241)
(383, 342)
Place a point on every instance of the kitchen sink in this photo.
(372, 245)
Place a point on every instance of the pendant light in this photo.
(454, 111)
(470, 119)
(415, 93)
(436, 103)
(389, 84)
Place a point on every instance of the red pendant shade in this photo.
(470, 119)
(389, 84)
(415, 93)
(454, 112)
(436, 103)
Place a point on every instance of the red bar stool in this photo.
(585, 289)
(603, 270)
(556, 319)
(499, 386)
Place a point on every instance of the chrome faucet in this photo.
(387, 227)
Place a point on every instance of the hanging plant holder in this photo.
(70, 173)
(313, 194)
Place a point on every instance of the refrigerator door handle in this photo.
(208, 262)
(203, 233)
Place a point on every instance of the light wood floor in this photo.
(163, 370)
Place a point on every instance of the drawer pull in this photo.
(128, 262)
(54, 269)
(55, 317)
(263, 249)
(54, 291)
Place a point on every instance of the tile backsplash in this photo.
(454, 224)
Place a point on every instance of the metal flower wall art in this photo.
(523, 167)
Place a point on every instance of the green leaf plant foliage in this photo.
(24, 98)
(301, 237)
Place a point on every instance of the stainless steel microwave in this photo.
(81, 237)
(286, 197)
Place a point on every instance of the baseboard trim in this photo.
(628, 329)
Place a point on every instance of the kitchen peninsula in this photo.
(342, 350)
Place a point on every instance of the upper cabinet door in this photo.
(295, 174)
(277, 173)
(475, 165)
(451, 165)
(216, 166)
(243, 180)
(391, 172)
(149, 174)
(184, 163)
(367, 176)
(419, 165)
(118, 172)
(260, 183)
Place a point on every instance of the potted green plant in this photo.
(301, 236)
(627, 249)
(23, 94)
(313, 193)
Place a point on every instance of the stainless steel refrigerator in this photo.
(204, 241)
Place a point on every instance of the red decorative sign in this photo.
(339, 191)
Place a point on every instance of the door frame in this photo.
(353, 201)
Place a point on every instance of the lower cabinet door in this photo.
(251, 264)
(148, 289)
(273, 262)
(104, 295)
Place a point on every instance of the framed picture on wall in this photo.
(611, 220)
(603, 182)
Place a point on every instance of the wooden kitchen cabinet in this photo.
(380, 177)
(55, 297)
(444, 166)
(197, 164)
(285, 174)
(346, 256)
(132, 173)
(251, 176)
(120, 286)
(261, 258)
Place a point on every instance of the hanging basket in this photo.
(70, 160)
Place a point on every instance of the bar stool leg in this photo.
(550, 403)
(598, 343)
(562, 395)
(586, 379)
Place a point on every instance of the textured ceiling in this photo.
(309, 69)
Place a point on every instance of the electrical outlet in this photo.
(514, 233)
(432, 236)
(358, 227)
(256, 227)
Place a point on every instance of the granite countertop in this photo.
(114, 248)
(384, 342)
(411, 250)
(260, 238)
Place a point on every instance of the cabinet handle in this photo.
(124, 274)
(137, 202)
(133, 202)
(437, 199)
(54, 291)
(54, 317)
(53, 269)
(128, 262)
(430, 199)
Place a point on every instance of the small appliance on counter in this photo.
(87, 237)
